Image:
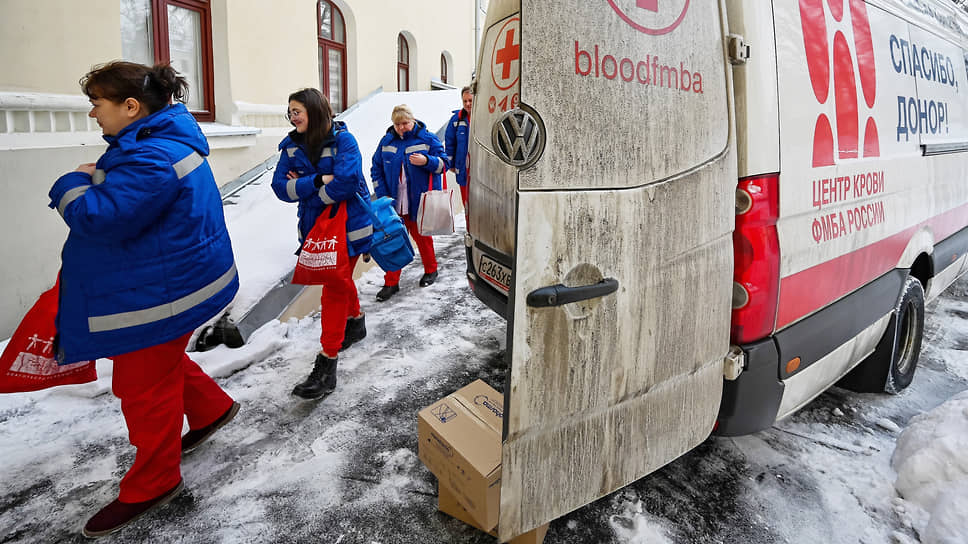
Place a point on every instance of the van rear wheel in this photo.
(890, 368)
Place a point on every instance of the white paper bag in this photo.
(436, 213)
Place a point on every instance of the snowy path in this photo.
(344, 470)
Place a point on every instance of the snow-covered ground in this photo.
(344, 470)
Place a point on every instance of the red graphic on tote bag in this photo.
(28, 363)
(324, 257)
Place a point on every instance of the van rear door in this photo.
(617, 155)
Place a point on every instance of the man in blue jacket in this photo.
(455, 141)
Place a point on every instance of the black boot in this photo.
(428, 279)
(386, 292)
(321, 381)
(355, 331)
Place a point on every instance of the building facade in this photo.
(242, 59)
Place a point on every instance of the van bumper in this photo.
(751, 401)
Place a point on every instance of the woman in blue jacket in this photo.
(147, 260)
(320, 165)
(407, 161)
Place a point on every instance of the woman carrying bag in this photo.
(407, 162)
(321, 168)
(147, 260)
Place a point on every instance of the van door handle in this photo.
(557, 295)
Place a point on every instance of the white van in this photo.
(698, 216)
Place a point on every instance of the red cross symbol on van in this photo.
(508, 54)
(505, 52)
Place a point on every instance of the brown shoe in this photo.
(194, 439)
(118, 514)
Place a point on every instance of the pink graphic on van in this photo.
(845, 94)
(837, 9)
(661, 19)
(820, 45)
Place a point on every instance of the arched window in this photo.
(178, 32)
(403, 64)
(443, 68)
(332, 54)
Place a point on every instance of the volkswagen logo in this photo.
(518, 137)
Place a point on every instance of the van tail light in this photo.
(756, 258)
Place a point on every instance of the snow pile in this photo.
(635, 525)
(932, 469)
(264, 238)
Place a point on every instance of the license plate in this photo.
(495, 273)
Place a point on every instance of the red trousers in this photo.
(339, 302)
(158, 387)
(425, 245)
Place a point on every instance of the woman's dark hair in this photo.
(320, 116)
(119, 80)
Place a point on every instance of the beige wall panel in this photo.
(272, 49)
(32, 255)
(435, 27)
(229, 164)
(49, 44)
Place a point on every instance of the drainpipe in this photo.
(477, 30)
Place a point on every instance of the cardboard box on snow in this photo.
(460, 442)
(447, 503)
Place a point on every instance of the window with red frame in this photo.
(178, 32)
(332, 54)
(403, 64)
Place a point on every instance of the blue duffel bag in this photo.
(391, 247)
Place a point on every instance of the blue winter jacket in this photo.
(148, 258)
(455, 140)
(392, 152)
(340, 158)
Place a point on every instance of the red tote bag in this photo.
(28, 363)
(324, 257)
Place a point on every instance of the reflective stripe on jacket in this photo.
(392, 153)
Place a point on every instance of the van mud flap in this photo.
(752, 401)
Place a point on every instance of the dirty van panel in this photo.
(491, 217)
(629, 95)
(622, 261)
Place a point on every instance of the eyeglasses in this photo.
(297, 113)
